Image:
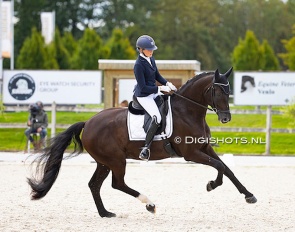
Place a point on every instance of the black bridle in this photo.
(214, 108)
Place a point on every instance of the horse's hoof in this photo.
(251, 200)
(151, 208)
(209, 186)
(107, 214)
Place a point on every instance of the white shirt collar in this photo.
(147, 58)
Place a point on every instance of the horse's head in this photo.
(210, 88)
(220, 90)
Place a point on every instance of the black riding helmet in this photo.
(146, 42)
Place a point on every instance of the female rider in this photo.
(146, 90)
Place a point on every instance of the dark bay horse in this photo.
(105, 138)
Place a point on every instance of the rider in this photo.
(146, 90)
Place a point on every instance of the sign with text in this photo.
(264, 88)
(62, 87)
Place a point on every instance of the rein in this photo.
(191, 101)
(205, 107)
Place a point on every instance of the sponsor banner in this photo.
(264, 88)
(48, 26)
(6, 34)
(62, 87)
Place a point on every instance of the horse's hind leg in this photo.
(94, 184)
(119, 183)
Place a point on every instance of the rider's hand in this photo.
(171, 86)
(163, 88)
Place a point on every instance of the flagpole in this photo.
(1, 59)
(12, 37)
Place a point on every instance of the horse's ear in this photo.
(216, 75)
(228, 72)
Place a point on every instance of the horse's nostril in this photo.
(224, 120)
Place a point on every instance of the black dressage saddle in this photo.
(162, 103)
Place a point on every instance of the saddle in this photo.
(135, 108)
(162, 102)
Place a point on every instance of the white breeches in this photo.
(149, 104)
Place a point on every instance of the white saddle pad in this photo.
(135, 126)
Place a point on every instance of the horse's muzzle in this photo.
(224, 117)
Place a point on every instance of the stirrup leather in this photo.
(145, 152)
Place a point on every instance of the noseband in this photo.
(214, 108)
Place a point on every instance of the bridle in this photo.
(214, 108)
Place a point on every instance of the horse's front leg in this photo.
(219, 179)
(202, 158)
(250, 198)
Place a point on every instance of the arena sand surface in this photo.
(178, 190)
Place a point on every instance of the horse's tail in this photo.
(48, 164)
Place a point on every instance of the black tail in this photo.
(48, 164)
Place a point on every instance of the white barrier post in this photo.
(53, 119)
(268, 131)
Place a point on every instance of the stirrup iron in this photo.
(145, 154)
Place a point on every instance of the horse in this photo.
(105, 138)
(246, 79)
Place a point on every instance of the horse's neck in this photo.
(187, 109)
(194, 99)
(182, 108)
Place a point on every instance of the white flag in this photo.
(48, 26)
(6, 35)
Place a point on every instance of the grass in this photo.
(238, 120)
(14, 139)
(61, 117)
(252, 120)
(253, 143)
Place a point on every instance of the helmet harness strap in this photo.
(141, 50)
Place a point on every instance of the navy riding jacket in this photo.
(146, 77)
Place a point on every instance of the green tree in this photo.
(120, 47)
(204, 30)
(69, 14)
(70, 43)
(132, 16)
(262, 17)
(186, 30)
(289, 57)
(59, 52)
(246, 55)
(90, 49)
(269, 61)
(34, 54)
(28, 14)
(71, 46)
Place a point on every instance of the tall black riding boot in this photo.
(145, 152)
